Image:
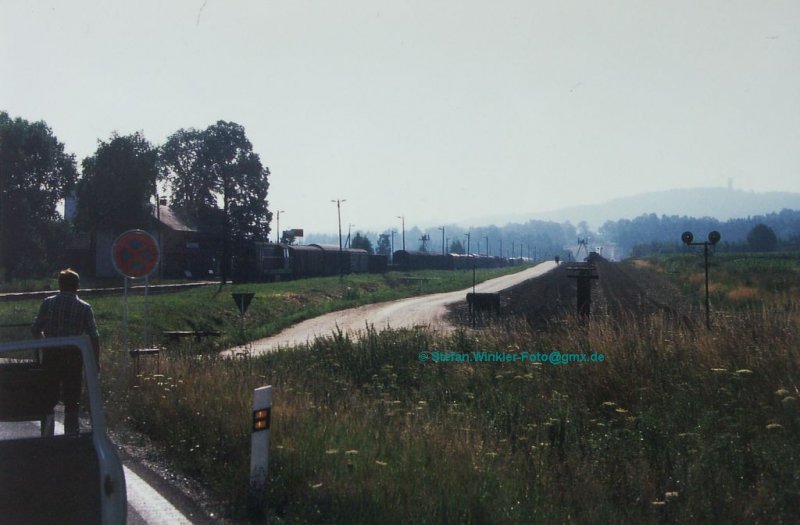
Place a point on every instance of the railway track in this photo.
(96, 292)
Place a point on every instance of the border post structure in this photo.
(259, 447)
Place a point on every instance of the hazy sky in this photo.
(436, 110)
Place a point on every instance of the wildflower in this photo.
(331, 451)
(351, 452)
(381, 463)
(774, 426)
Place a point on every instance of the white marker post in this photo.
(259, 449)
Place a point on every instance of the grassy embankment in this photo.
(274, 307)
(674, 426)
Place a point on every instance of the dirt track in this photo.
(428, 310)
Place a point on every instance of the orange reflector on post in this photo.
(261, 419)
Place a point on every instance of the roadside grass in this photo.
(674, 426)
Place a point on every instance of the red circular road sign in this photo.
(135, 254)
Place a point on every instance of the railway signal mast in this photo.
(713, 238)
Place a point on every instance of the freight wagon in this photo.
(261, 261)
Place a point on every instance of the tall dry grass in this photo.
(678, 424)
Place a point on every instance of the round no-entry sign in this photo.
(135, 254)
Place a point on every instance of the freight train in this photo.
(262, 261)
(411, 260)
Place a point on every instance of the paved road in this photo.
(427, 310)
(146, 506)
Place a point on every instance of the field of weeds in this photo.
(675, 425)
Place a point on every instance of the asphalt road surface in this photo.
(146, 506)
(427, 310)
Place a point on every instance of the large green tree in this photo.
(384, 245)
(361, 242)
(762, 238)
(116, 186)
(214, 173)
(35, 174)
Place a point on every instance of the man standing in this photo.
(63, 315)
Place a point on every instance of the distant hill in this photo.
(720, 203)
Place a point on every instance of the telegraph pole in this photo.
(339, 212)
(403, 219)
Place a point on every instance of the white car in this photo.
(47, 476)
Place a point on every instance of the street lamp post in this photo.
(278, 227)
(403, 219)
(339, 213)
(713, 239)
(392, 254)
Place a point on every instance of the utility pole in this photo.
(339, 212)
(403, 218)
(442, 228)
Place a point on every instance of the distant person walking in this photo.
(63, 315)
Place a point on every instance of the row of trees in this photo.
(648, 233)
(213, 177)
(35, 173)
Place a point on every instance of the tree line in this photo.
(213, 177)
(653, 234)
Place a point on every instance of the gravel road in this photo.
(427, 310)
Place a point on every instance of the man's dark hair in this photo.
(68, 280)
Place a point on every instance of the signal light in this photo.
(687, 237)
(261, 419)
